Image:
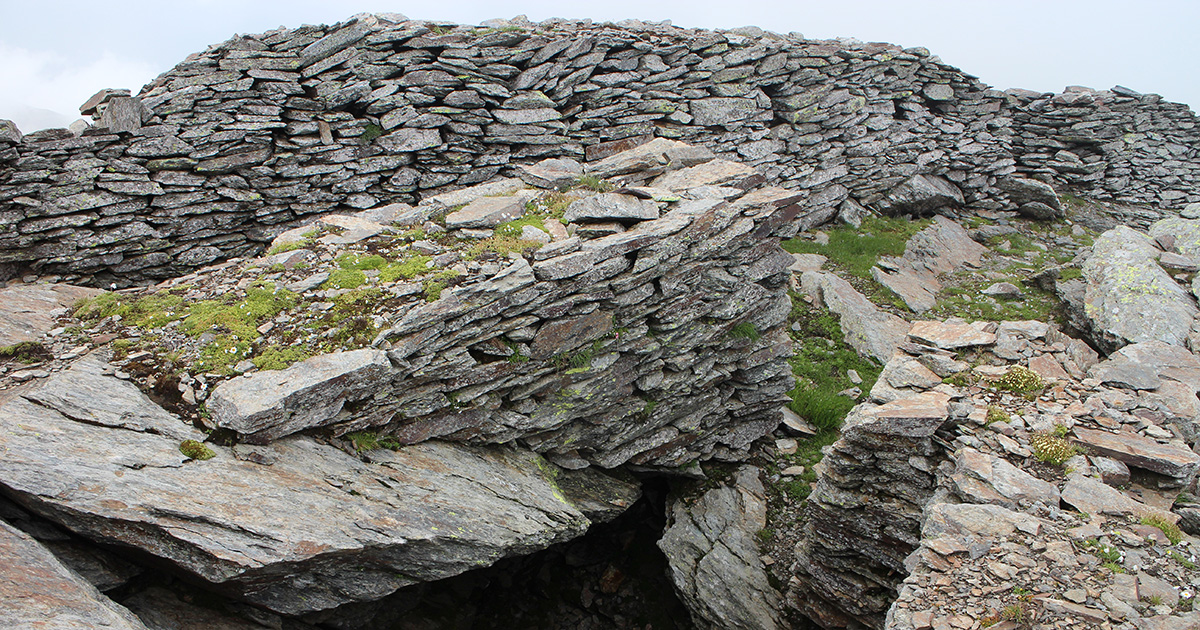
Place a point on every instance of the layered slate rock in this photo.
(38, 592)
(1129, 298)
(215, 156)
(1177, 462)
(309, 528)
(869, 330)
(711, 545)
(941, 248)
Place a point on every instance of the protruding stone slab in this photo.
(981, 478)
(952, 334)
(656, 156)
(37, 591)
(268, 405)
(315, 529)
(611, 207)
(1178, 462)
(913, 417)
(713, 173)
(1092, 496)
(486, 212)
(921, 194)
(869, 330)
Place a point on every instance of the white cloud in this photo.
(33, 81)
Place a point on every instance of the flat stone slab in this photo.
(713, 173)
(315, 529)
(656, 156)
(27, 311)
(611, 207)
(982, 478)
(1145, 365)
(951, 334)
(487, 212)
(1142, 452)
(1094, 497)
(264, 406)
(872, 332)
(915, 416)
(37, 591)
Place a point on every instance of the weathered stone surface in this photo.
(712, 548)
(553, 173)
(1092, 496)
(952, 334)
(712, 173)
(656, 156)
(1185, 234)
(486, 212)
(920, 194)
(981, 478)
(869, 330)
(914, 417)
(30, 309)
(1022, 191)
(257, 528)
(408, 140)
(37, 591)
(162, 609)
(941, 248)
(961, 519)
(1129, 298)
(562, 335)
(269, 405)
(611, 206)
(1172, 460)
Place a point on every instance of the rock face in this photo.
(940, 248)
(259, 530)
(30, 309)
(37, 591)
(712, 548)
(869, 330)
(1129, 298)
(231, 146)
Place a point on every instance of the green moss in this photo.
(306, 240)
(996, 414)
(345, 279)
(370, 133)
(591, 182)
(1052, 449)
(148, 311)
(857, 250)
(239, 317)
(277, 358)
(502, 245)
(193, 449)
(26, 352)
(433, 290)
(1070, 273)
(410, 267)
(353, 260)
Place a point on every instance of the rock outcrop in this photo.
(219, 154)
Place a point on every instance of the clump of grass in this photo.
(1020, 380)
(148, 311)
(1052, 449)
(1169, 529)
(433, 290)
(371, 440)
(821, 363)
(745, 330)
(345, 279)
(857, 250)
(370, 133)
(278, 358)
(353, 260)
(1184, 562)
(408, 268)
(591, 182)
(512, 229)
(996, 414)
(26, 352)
(502, 245)
(193, 449)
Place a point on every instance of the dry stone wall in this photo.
(215, 156)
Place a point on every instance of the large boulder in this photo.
(712, 548)
(920, 195)
(303, 526)
(1034, 199)
(1129, 298)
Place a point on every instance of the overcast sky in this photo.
(54, 54)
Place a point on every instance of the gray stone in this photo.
(39, 592)
(870, 331)
(1092, 496)
(712, 173)
(268, 405)
(611, 206)
(1129, 298)
(276, 535)
(30, 310)
(1175, 461)
(952, 334)
(1184, 232)
(712, 548)
(726, 112)
(941, 248)
(486, 212)
(1112, 472)
(408, 140)
(552, 174)
(1023, 191)
(656, 156)
(920, 194)
(981, 478)
(1004, 290)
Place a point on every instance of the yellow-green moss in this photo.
(345, 279)
(410, 267)
(196, 450)
(277, 358)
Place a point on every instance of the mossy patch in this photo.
(408, 268)
(194, 449)
(277, 358)
(355, 260)
(345, 279)
(856, 250)
(26, 352)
